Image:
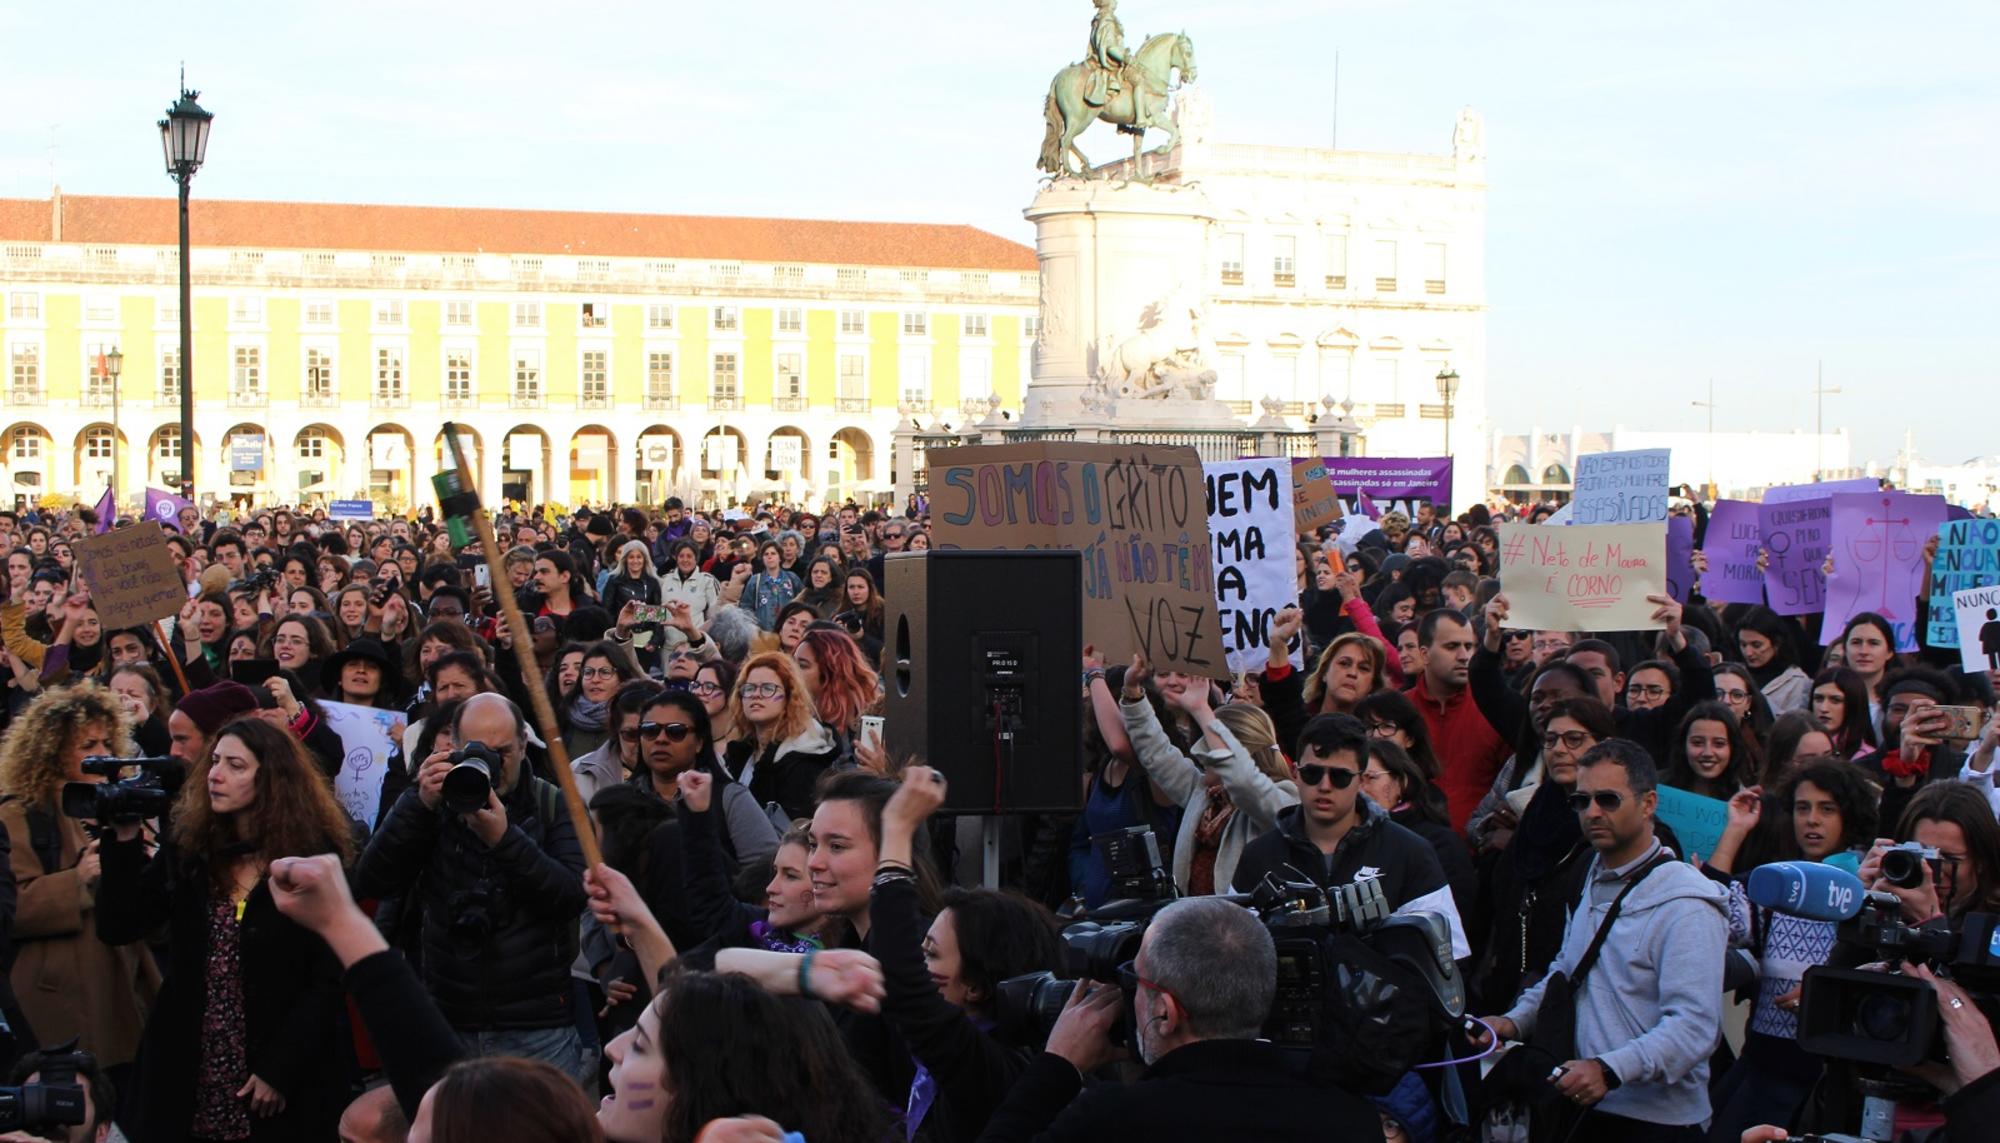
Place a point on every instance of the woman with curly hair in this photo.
(71, 984)
(245, 1040)
(843, 686)
(784, 748)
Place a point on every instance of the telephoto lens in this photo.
(470, 779)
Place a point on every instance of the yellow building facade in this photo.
(590, 358)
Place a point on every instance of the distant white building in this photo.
(1974, 483)
(1538, 465)
(1347, 276)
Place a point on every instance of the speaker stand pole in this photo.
(989, 851)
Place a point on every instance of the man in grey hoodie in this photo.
(1649, 1010)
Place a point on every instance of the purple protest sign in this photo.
(1796, 534)
(1878, 559)
(1395, 483)
(1731, 544)
(1680, 557)
(1787, 493)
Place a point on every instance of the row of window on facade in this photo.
(319, 386)
(389, 313)
(723, 449)
(1301, 381)
(1284, 252)
(529, 268)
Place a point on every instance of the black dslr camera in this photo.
(123, 801)
(55, 1100)
(475, 911)
(256, 582)
(470, 780)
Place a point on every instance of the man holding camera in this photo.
(1337, 837)
(1641, 969)
(501, 889)
(1208, 1076)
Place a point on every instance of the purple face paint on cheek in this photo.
(640, 1104)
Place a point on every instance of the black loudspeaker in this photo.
(981, 664)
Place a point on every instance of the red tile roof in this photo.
(447, 230)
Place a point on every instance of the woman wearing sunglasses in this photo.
(674, 739)
(1539, 875)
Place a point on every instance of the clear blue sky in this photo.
(1678, 191)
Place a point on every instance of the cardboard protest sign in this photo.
(367, 737)
(1697, 821)
(1731, 544)
(1797, 535)
(1878, 559)
(1136, 512)
(1394, 483)
(1313, 500)
(1250, 521)
(1582, 577)
(1620, 487)
(132, 575)
(1680, 557)
(1968, 555)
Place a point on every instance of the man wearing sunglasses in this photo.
(1649, 1008)
(1335, 836)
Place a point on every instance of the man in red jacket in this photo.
(1467, 746)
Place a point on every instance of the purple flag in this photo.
(1797, 534)
(1878, 559)
(1680, 557)
(165, 506)
(1731, 544)
(107, 511)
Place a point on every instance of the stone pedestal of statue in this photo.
(1122, 342)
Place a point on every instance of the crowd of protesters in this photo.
(783, 942)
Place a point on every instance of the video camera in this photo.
(1362, 994)
(1878, 1017)
(55, 1100)
(123, 801)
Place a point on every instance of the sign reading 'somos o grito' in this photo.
(1139, 515)
(132, 576)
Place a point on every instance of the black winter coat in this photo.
(291, 997)
(517, 974)
(785, 776)
(1405, 862)
(1200, 1092)
(973, 1070)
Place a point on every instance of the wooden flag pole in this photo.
(524, 650)
(173, 660)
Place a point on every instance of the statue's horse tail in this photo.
(1052, 160)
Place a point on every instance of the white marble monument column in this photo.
(1124, 266)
